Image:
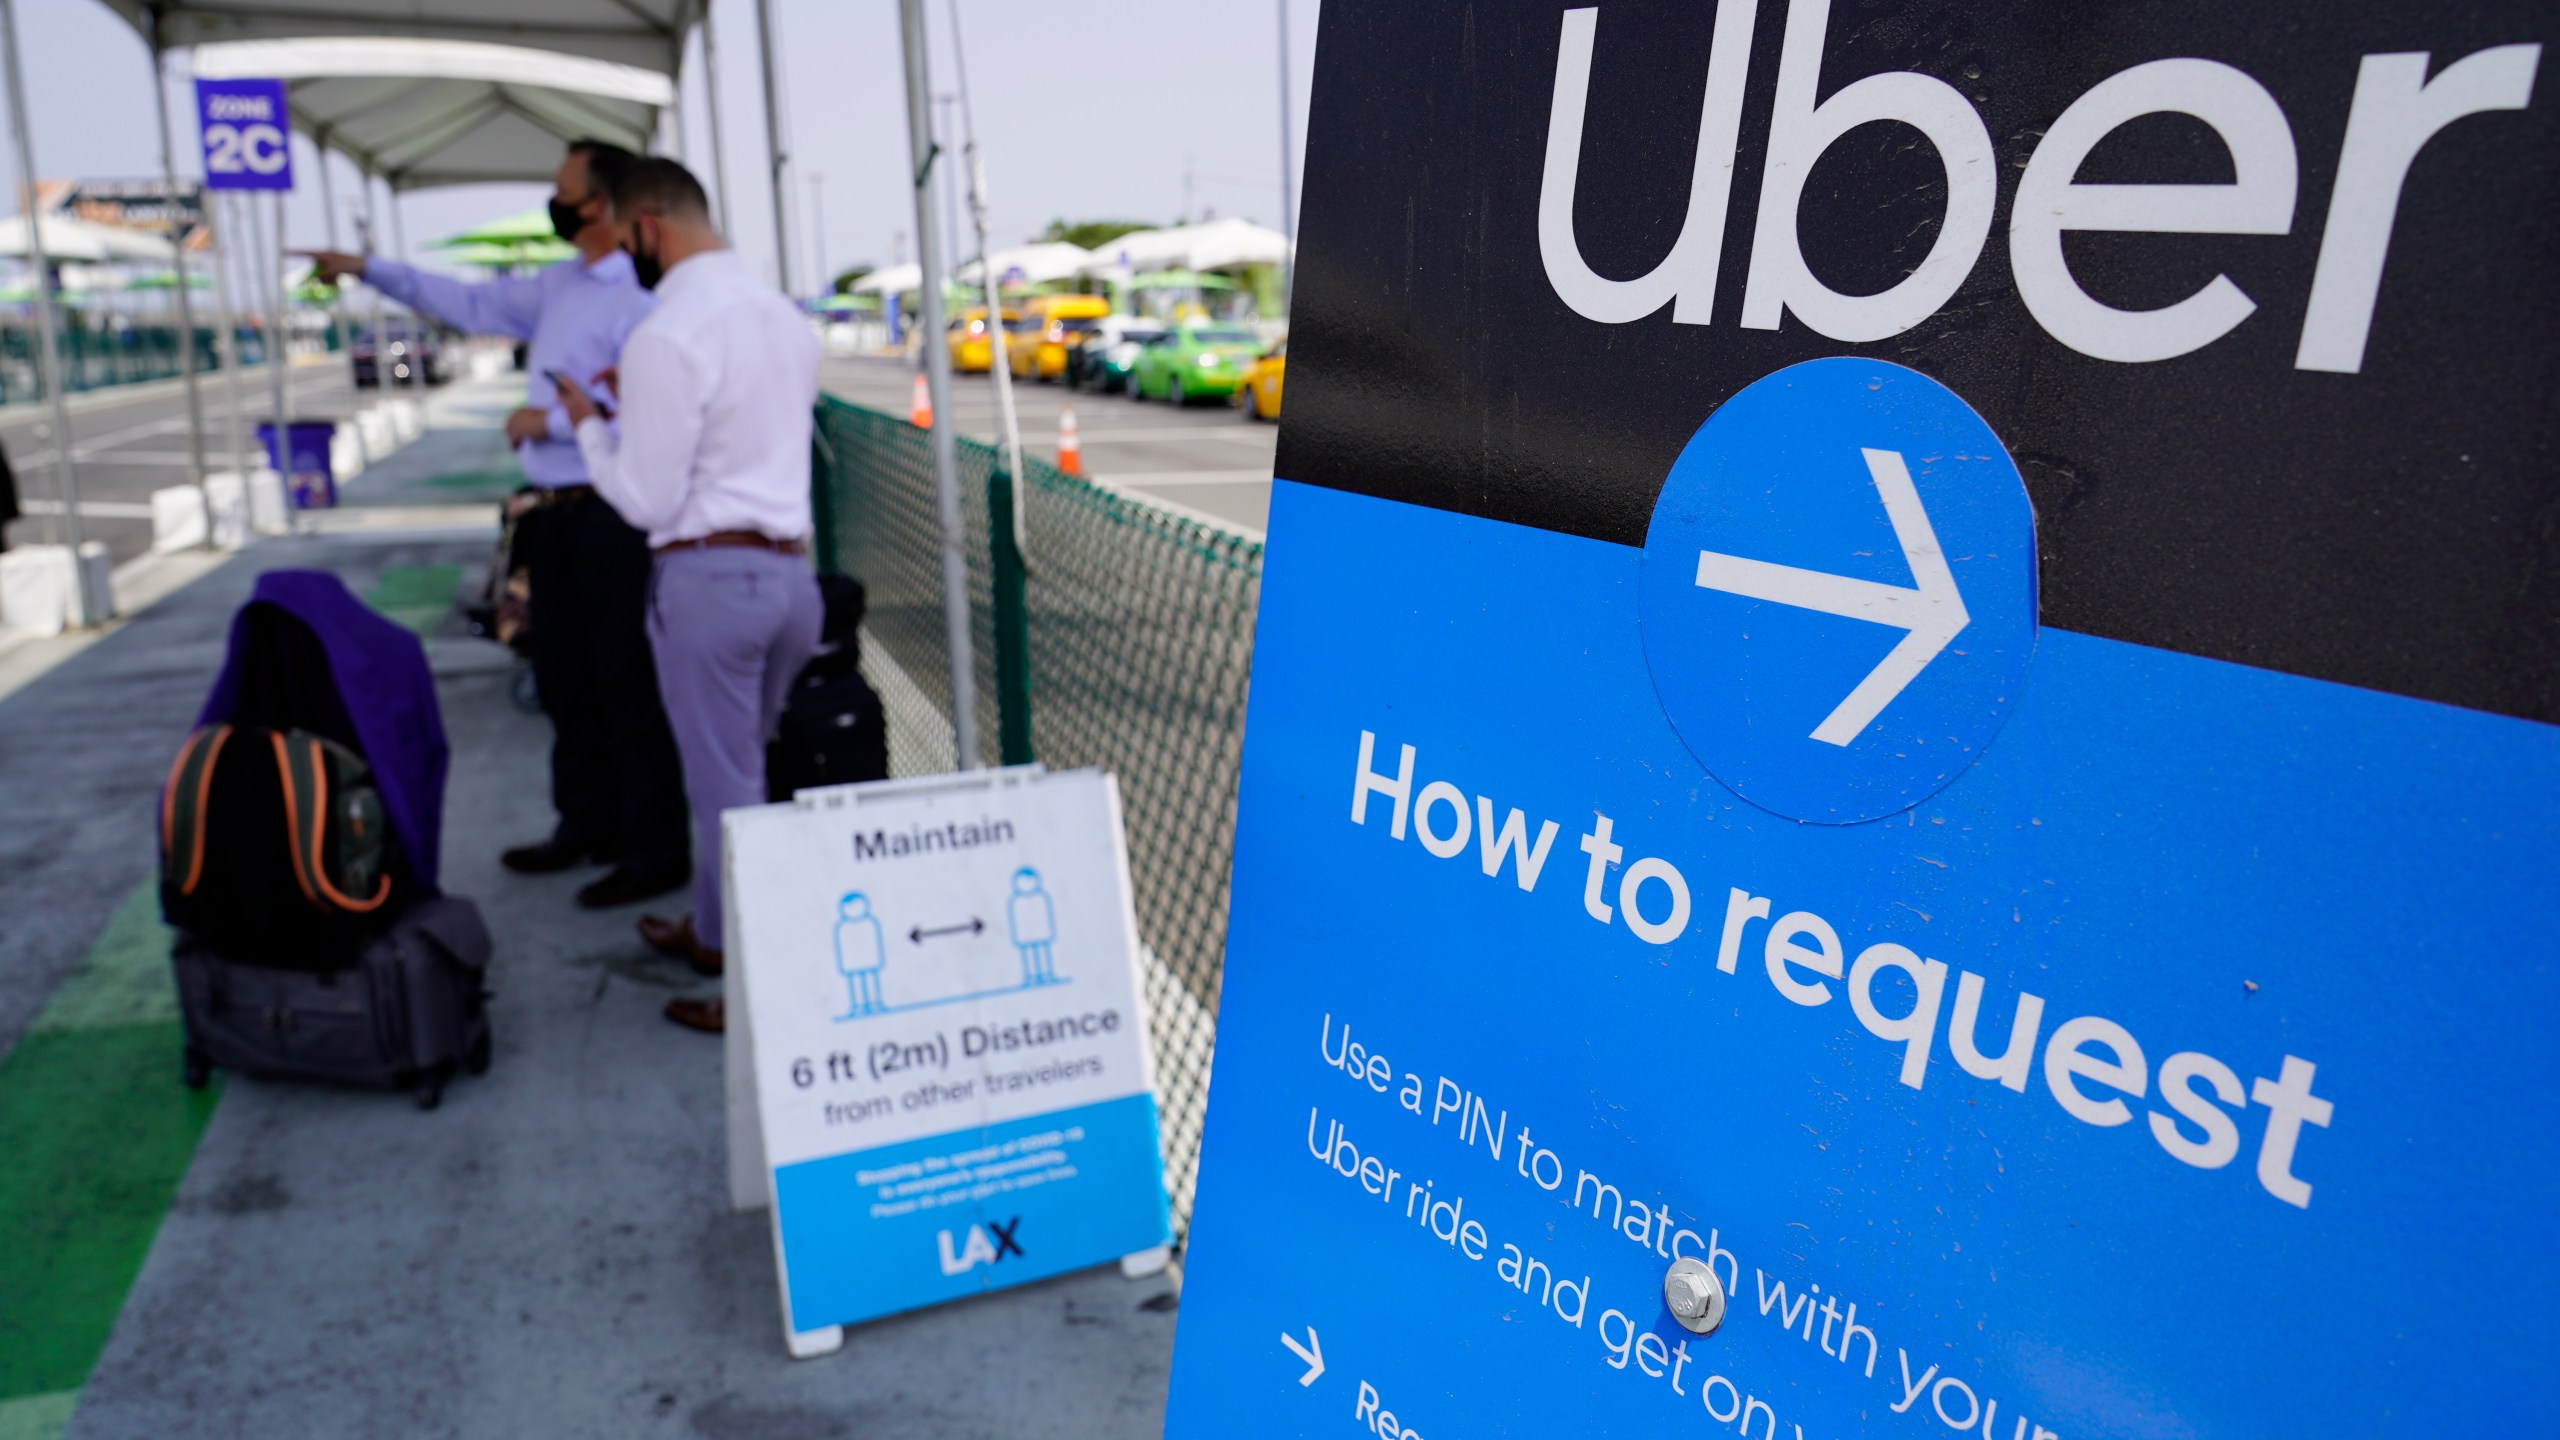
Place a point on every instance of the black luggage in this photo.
(274, 843)
(834, 730)
(406, 1015)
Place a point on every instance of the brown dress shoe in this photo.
(675, 939)
(629, 884)
(707, 1015)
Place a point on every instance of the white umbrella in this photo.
(1169, 248)
(81, 241)
(1038, 263)
(1221, 244)
(896, 280)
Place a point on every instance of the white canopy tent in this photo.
(1035, 264)
(645, 34)
(422, 113)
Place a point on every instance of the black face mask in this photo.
(645, 268)
(566, 220)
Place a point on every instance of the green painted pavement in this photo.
(417, 596)
(98, 1131)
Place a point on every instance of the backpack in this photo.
(274, 845)
(833, 732)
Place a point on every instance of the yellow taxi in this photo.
(1052, 325)
(973, 349)
(1259, 392)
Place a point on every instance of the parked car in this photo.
(413, 354)
(1190, 361)
(972, 348)
(1056, 323)
(1259, 395)
(1102, 362)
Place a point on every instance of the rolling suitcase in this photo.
(409, 1013)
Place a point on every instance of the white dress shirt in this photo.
(718, 386)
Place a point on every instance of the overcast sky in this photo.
(1086, 109)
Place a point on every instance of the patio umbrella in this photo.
(523, 227)
(509, 257)
(168, 280)
(69, 239)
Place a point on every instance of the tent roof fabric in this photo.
(427, 113)
(647, 34)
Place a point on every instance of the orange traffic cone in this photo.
(1070, 449)
(920, 406)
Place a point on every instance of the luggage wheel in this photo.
(475, 1061)
(430, 1092)
(199, 1072)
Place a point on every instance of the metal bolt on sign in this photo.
(1695, 1296)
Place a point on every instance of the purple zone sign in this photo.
(247, 134)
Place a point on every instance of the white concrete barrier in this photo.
(36, 587)
(347, 454)
(239, 511)
(179, 520)
(376, 424)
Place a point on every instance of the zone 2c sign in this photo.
(247, 134)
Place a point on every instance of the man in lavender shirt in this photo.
(615, 777)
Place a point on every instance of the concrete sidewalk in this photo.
(550, 1253)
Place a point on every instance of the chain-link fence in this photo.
(1122, 643)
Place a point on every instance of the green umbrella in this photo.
(532, 225)
(1180, 280)
(506, 257)
(168, 280)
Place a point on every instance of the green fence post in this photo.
(1013, 625)
(822, 496)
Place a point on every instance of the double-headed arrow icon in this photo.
(1311, 1352)
(1932, 612)
(920, 934)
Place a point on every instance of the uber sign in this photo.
(1905, 720)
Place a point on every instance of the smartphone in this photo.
(603, 403)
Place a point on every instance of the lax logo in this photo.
(978, 1249)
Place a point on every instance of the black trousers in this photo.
(615, 777)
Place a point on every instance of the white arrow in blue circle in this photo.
(1803, 640)
(1932, 612)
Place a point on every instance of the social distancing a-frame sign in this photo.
(938, 1070)
(1905, 720)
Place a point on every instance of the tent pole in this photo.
(263, 288)
(711, 93)
(781, 158)
(49, 319)
(413, 328)
(228, 346)
(338, 304)
(178, 263)
(923, 158)
(1288, 174)
(1000, 343)
(381, 332)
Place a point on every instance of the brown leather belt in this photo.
(737, 540)
(564, 494)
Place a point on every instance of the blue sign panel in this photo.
(2055, 1105)
(247, 133)
(1900, 778)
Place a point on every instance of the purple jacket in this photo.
(367, 686)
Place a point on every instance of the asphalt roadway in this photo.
(130, 440)
(1206, 457)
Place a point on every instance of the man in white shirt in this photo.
(717, 389)
(614, 774)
